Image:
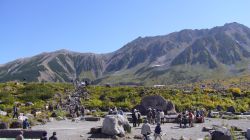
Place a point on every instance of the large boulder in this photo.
(221, 133)
(114, 125)
(156, 102)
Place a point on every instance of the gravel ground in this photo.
(68, 130)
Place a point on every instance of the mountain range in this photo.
(179, 57)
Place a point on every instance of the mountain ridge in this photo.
(147, 60)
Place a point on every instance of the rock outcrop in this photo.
(221, 133)
(114, 125)
(156, 102)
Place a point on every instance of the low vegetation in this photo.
(101, 98)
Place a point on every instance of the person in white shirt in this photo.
(162, 116)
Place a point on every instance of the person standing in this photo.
(158, 116)
(134, 117)
(150, 116)
(76, 110)
(51, 108)
(146, 130)
(53, 137)
(158, 131)
(180, 119)
(185, 119)
(120, 111)
(162, 116)
(191, 119)
(82, 111)
(154, 116)
(115, 111)
(138, 118)
(26, 124)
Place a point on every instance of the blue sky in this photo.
(30, 27)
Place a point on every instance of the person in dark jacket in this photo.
(185, 120)
(44, 137)
(154, 116)
(158, 131)
(26, 124)
(180, 119)
(134, 117)
(15, 112)
(53, 137)
(138, 118)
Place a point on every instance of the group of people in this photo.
(155, 116)
(44, 136)
(186, 117)
(136, 118)
(16, 115)
(146, 131)
(114, 111)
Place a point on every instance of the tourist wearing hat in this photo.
(134, 117)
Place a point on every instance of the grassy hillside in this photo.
(126, 97)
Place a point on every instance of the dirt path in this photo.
(68, 130)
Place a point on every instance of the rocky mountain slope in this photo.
(185, 56)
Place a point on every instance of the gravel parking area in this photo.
(68, 130)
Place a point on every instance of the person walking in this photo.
(15, 112)
(146, 130)
(158, 131)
